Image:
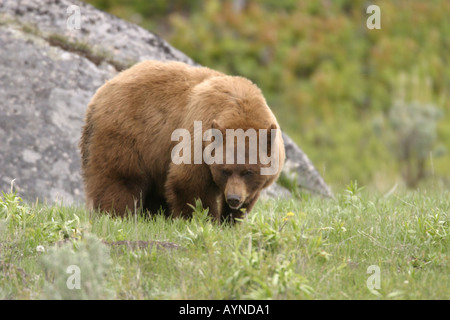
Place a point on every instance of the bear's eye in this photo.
(226, 172)
(247, 173)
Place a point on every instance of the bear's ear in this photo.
(273, 126)
(216, 125)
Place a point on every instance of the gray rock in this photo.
(299, 167)
(49, 72)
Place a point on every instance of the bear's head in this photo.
(249, 162)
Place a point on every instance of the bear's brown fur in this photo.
(126, 141)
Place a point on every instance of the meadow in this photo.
(360, 245)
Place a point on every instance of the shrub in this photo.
(89, 259)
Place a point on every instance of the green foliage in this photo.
(308, 249)
(89, 259)
(200, 232)
(14, 210)
(290, 183)
(62, 229)
(414, 126)
(255, 279)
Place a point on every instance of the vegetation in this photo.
(309, 249)
(85, 50)
(332, 82)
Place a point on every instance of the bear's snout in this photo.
(234, 201)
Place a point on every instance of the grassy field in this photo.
(357, 246)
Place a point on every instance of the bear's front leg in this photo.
(185, 183)
(114, 196)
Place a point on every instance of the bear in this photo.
(133, 156)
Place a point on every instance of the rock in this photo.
(105, 35)
(48, 74)
(299, 167)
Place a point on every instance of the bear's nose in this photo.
(234, 201)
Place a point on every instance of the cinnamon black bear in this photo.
(162, 134)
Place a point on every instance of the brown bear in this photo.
(156, 136)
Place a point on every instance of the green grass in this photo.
(308, 248)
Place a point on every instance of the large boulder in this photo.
(48, 73)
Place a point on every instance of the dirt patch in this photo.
(142, 244)
(133, 244)
(10, 270)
